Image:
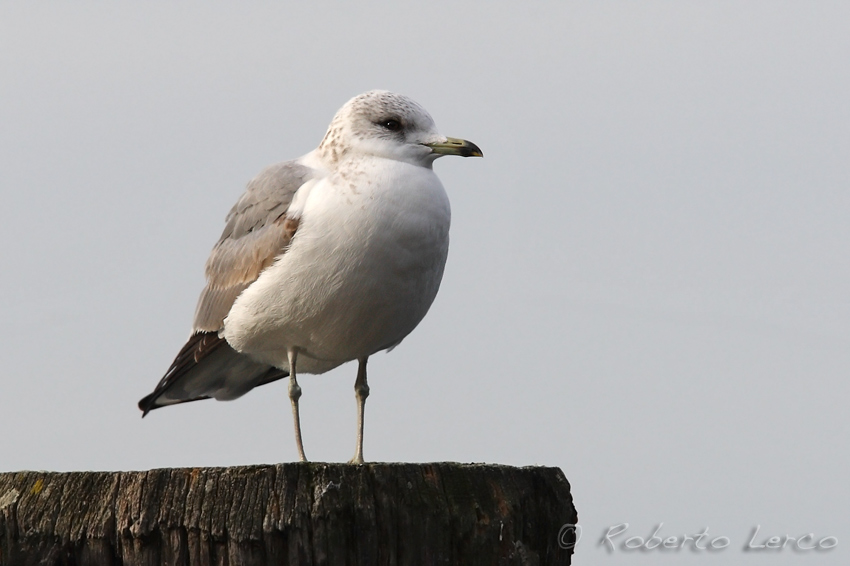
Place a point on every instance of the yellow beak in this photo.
(455, 146)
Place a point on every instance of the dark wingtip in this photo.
(197, 348)
(200, 345)
(147, 404)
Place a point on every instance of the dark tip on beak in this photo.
(455, 146)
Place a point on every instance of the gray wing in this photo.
(257, 232)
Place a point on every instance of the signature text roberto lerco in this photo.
(704, 541)
(616, 539)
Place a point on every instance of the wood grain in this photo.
(300, 513)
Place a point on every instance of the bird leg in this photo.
(361, 391)
(294, 395)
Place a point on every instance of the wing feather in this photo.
(208, 367)
(256, 233)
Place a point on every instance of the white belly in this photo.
(360, 274)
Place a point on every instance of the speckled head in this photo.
(384, 124)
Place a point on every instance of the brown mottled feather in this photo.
(257, 232)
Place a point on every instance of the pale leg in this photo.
(294, 395)
(361, 391)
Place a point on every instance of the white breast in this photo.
(360, 274)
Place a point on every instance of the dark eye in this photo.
(390, 124)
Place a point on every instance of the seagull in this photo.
(324, 259)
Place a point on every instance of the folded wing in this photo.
(258, 231)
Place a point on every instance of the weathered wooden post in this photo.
(301, 513)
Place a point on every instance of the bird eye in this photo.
(390, 124)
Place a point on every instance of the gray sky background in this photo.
(648, 279)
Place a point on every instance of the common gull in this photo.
(324, 259)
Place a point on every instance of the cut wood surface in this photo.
(300, 513)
